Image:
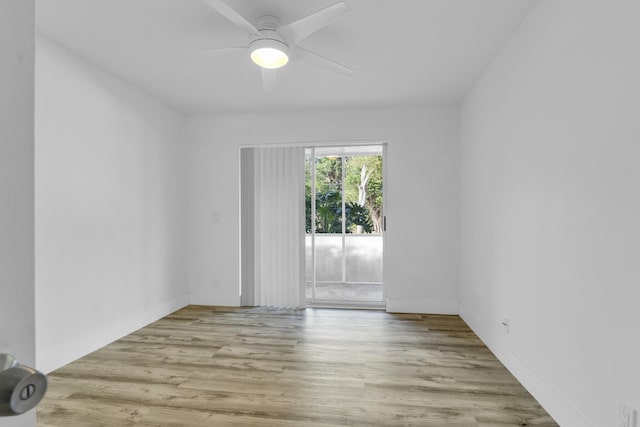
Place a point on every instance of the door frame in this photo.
(321, 144)
(379, 305)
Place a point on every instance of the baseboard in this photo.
(422, 306)
(542, 390)
(52, 358)
(215, 299)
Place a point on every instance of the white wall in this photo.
(550, 183)
(17, 333)
(421, 197)
(110, 197)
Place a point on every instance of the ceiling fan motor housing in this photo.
(271, 39)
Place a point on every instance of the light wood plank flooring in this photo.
(220, 366)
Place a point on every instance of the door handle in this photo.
(21, 387)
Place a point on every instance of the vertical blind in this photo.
(273, 232)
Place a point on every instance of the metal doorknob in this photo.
(21, 387)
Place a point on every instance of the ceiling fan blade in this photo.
(268, 79)
(222, 50)
(298, 30)
(323, 62)
(232, 15)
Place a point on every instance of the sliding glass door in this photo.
(344, 239)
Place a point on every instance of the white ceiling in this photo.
(405, 52)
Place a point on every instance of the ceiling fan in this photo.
(271, 44)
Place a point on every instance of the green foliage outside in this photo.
(329, 199)
(373, 200)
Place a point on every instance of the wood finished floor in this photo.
(220, 366)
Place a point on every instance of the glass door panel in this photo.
(344, 242)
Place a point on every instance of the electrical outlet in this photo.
(505, 326)
(626, 416)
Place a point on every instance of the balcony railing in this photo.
(350, 273)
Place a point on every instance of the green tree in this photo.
(328, 174)
(373, 199)
(356, 215)
(328, 195)
(329, 212)
(329, 199)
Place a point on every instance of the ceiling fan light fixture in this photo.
(270, 54)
